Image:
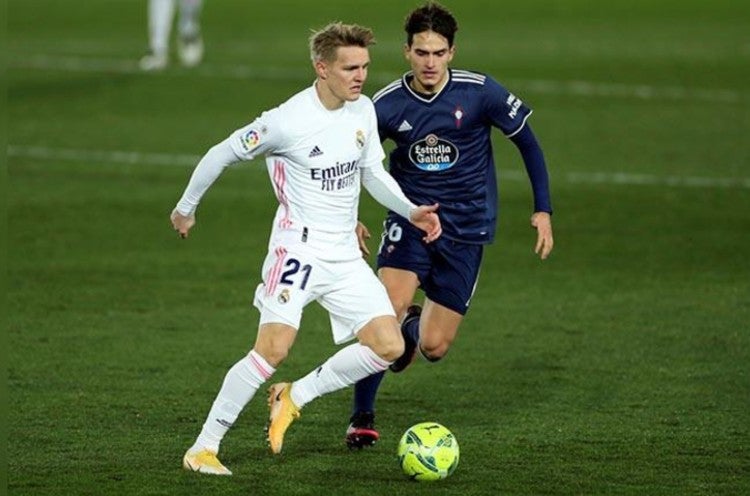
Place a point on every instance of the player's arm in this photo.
(210, 167)
(533, 159)
(261, 136)
(387, 192)
(363, 234)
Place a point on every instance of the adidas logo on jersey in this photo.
(405, 126)
(315, 152)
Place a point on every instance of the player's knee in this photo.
(383, 336)
(392, 348)
(274, 355)
(435, 352)
(273, 342)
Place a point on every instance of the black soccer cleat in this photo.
(410, 346)
(361, 432)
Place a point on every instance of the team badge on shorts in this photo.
(360, 138)
(284, 296)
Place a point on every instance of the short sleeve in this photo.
(505, 110)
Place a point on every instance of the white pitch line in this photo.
(76, 64)
(185, 160)
(620, 90)
(650, 179)
(102, 156)
(576, 88)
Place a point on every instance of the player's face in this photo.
(343, 78)
(429, 55)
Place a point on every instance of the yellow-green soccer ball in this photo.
(428, 452)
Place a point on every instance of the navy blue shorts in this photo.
(447, 270)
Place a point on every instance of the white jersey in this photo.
(317, 160)
(314, 156)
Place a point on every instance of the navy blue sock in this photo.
(410, 331)
(365, 391)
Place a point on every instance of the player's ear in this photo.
(321, 69)
(407, 49)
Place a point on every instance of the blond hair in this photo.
(325, 42)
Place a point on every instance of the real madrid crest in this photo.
(360, 138)
(284, 296)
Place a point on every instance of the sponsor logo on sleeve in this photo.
(433, 154)
(514, 104)
(250, 139)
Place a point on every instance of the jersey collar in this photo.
(407, 77)
(319, 103)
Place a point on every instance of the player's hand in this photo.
(363, 234)
(182, 223)
(425, 218)
(542, 222)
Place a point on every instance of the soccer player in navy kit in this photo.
(440, 120)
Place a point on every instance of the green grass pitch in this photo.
(619, 366)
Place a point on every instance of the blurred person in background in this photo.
(189, 42)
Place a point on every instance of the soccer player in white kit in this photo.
(189, 43)
(320, 146)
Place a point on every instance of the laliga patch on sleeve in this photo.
(250, 139)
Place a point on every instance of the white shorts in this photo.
(349, 290)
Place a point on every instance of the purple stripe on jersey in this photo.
(279, 182)
(273, 276)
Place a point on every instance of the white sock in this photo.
(190, 11)
(160, 15)
(239, 387)
(343, 369)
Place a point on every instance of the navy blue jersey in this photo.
(443, 150)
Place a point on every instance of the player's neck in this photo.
(428, 90)
(326, 97)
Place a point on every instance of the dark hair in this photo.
(431, 17)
